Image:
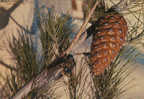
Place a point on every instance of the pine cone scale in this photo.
(108, 37)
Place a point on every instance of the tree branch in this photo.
(47, 76)
(82, 29)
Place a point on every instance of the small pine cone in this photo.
(108, 37)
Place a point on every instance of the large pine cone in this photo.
(109, 34)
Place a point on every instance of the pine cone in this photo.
(109, 34)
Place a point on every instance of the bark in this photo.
(47, 76)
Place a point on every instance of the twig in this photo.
(24, 91)
(82, 29)
(136, 37)
(7, 66)
(47, 76)
(20, 26)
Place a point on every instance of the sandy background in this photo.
(24, 16)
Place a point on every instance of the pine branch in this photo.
(53, 68)
(47, 76)
(82, 29)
